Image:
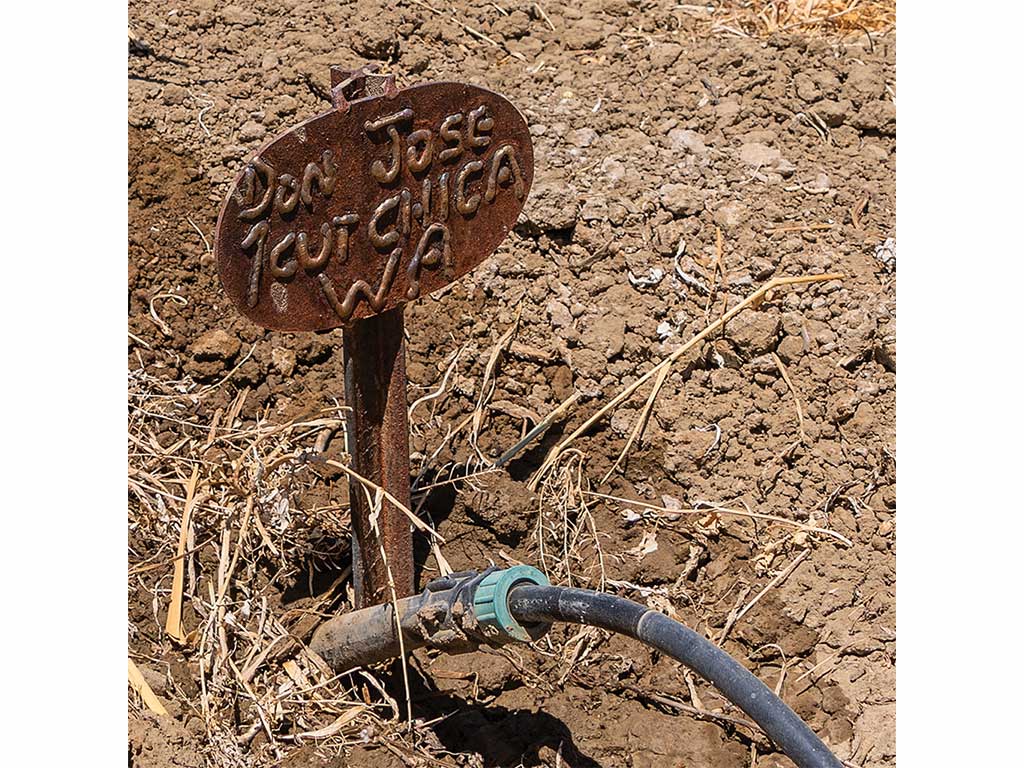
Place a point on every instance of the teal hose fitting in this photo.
(455, 613)
(490, 605)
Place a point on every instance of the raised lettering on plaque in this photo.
(363, 208)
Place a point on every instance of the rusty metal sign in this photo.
(381, 200)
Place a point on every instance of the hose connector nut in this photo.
(490, 605)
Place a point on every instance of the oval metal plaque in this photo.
(370, 205)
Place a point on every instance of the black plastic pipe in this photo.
(581, 606)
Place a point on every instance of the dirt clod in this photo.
(681, 199)
(217, 344)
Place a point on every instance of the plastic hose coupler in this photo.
(490, 605)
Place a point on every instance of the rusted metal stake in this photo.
(389, 196)
(378, 431)
(378, 424)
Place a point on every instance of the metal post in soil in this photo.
(390, 195)
(378, 423)
(378, 428)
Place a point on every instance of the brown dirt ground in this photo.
(653, 128)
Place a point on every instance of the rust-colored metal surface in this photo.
(338, 222)
(379, 429)
(374, 203)
(378, 424)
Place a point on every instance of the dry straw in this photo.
(221, 518)
(838, 18)
(221, 510)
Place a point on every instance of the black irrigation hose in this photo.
(531, 604)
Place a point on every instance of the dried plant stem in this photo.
(228, 375)
(376, 503)
(437, 451)
(792, 389)
(138, 682)
(715, 509)
(344, 719)
(695, 711)
(489, 382)
(173, 625)
(206, 243)
(418, 522)
(781, 577)
(452, 479)
(641, 422)
(731, 619)
(542, 425)
(547, 21)
(444, 383)
(625, 394)
(147, 566)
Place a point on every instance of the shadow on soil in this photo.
(501, 736)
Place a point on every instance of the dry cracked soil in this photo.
(678, 168)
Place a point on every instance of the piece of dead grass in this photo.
(173, 626)
(831, 18)
(138, 682)
(796, 398)
(714, 509)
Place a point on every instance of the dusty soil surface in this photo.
(678, 168)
